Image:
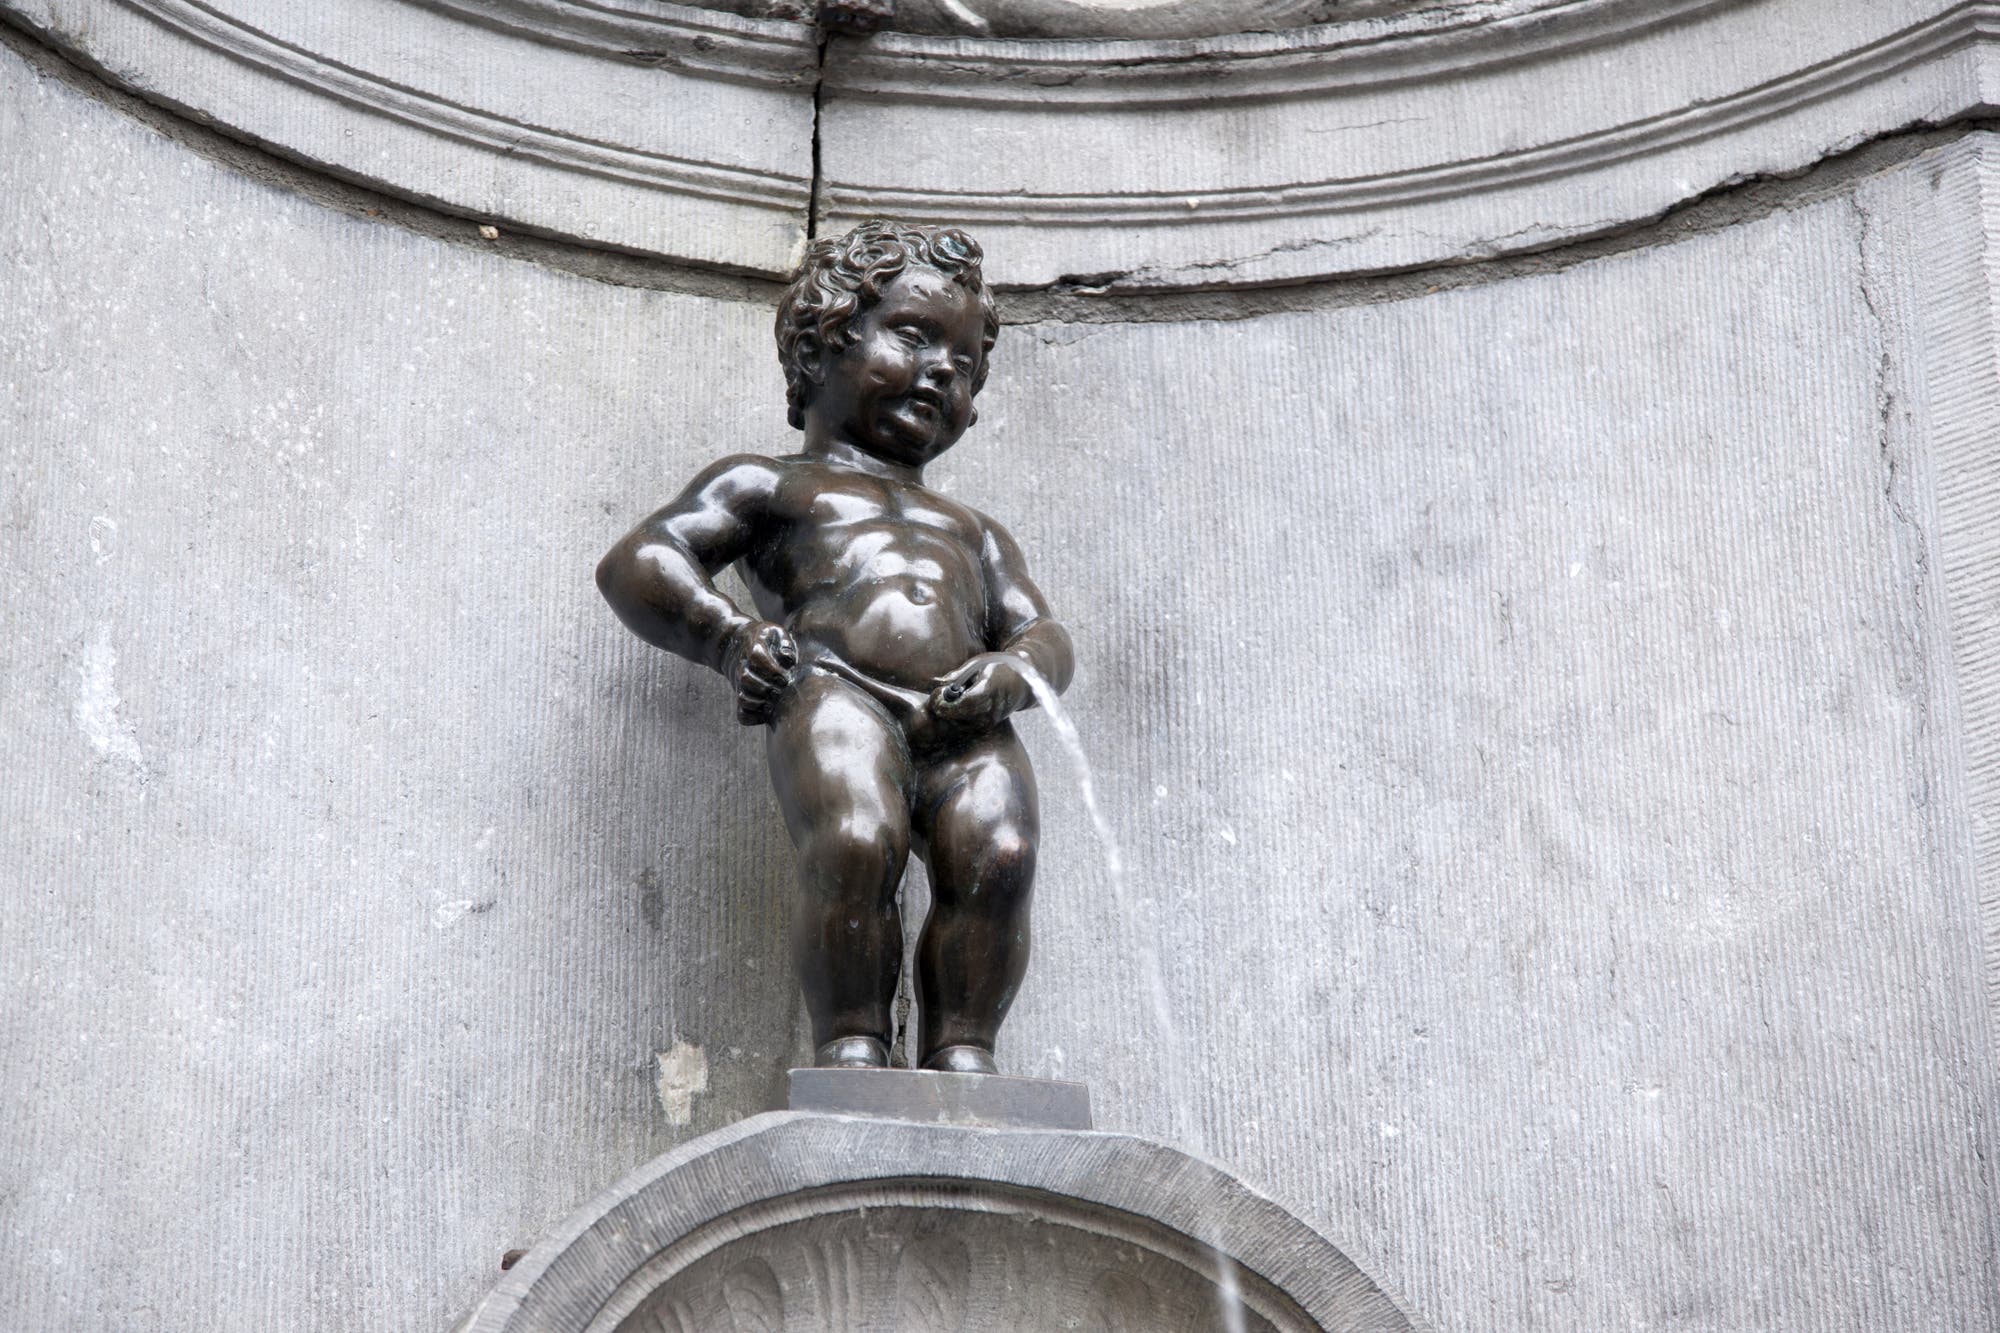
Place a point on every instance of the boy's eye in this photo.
(909, 335)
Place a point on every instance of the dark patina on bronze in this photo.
(893, 634)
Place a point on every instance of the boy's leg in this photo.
(979, 820)
(842, 774)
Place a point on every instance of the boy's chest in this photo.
(869, 511)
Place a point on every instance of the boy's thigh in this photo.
(981, 793)
(835, 754)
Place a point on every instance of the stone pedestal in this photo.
(809, 1221)
(993, 1101)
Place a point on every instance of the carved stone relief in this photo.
(1116, 18)
(920, 1269)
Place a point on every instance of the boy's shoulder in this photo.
(978, 516)
(741, 476)
(747, 465)
(774, 467)
(772, 484)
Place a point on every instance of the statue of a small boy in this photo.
(894, 634)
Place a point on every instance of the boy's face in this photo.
(902, 390)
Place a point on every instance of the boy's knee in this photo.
(1010, 852)
(997, 881)
(858, 851)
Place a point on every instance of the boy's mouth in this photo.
(929, 399)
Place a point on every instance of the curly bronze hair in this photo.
(841, 278)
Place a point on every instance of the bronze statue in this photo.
(893, 634)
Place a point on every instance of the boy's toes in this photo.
(853, 1053)
(963, 1060)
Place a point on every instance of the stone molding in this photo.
(1433, 44)
(689, 40)
(1042, 1215)
(1311, 158)
(654, 129)
(1429, 136)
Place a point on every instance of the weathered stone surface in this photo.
(366, 858)
(810, 1222)
(1532, 707)
(654, 128)
(1958, 329)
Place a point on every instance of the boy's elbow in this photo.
(612, 571)
(1062, 656)
(1046, 645)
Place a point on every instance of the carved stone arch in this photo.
(1191, 158)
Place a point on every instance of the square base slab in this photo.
(943, 1099)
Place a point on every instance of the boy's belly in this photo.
(906, 631)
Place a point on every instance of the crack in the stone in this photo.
(1742, 198)
(1895, 482)
(819, 109)
(1908, 531)
(1916, 652)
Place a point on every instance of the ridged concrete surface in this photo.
(1963, 328)
(1521, 707)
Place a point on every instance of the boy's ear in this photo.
(811, 354)
(973, 420)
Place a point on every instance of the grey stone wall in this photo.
(1528, 709)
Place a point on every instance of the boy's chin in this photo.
(912, 449)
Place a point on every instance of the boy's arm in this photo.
(1019, 620)
(980, 695)
(659, 579)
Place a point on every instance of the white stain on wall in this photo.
(97, 701)
(446, 915)
(683, 1075)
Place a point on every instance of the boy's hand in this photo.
(979, 695)
(758, 666)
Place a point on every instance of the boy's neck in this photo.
(830, 447)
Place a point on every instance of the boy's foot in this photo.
(852, 1053)
(962, 1060)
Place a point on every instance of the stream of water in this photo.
(1142, 915)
